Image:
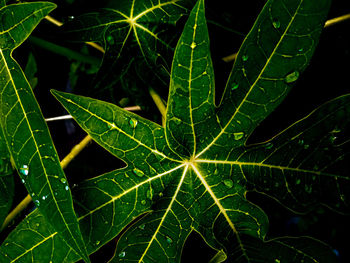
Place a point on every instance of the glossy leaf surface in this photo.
(194, 173)
(25, 131)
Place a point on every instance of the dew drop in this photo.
(70, 18)
(97, 242)
(63, 180)
(138, 172)
(238, 135)
(143, 202)
(276, 24)
(169, 240)
(235, 86)
(298, 181)
(245, 57)
(44, 197)
(177, 121)
(66, 188)
(228, 183)
(133, 123)
(24, 170)
(110, 40)
(122, 254)
(292, 77)
(300, 49)
(23, 181)
(37, 203)
(268, 146)
(142, 227)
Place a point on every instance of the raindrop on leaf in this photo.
(24, 170)
(292, 77)
(138, 172)
(228, 183)
(67, 188)
(133, 123)
(245, 57)
(169, 240)
(63, 180)
(122, 254)
(235, 86)
(276, 24)
(238, 135)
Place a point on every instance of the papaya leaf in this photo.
(7, 184)
(194, 173)
(132, 27)
(25, 131)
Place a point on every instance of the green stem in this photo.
(64, 51)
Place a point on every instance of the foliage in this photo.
(194, 173)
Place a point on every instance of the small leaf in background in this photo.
(25, 131)
(30, 71)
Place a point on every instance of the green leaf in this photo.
(31, 70)
(273, 55)
(25, 131)
(193, 174)
(133, 27)
(6, 180)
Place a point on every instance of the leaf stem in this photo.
(59, 23)
(328, 23)
(64, 51)
(159, 103)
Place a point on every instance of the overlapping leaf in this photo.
(194, 173)
(6, 180)
(133, 30)
(25, 131)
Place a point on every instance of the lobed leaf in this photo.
(25, 131)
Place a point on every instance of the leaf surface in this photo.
(193, 174)
(25, 131)
(132, 27)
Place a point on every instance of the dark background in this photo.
(327, 77)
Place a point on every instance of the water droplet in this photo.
(44, 197)
(245, 57)
(235, 86)
(142, 227)
(97, 242)
(66, 188)
(24, 170)
(238, 135)
(268, 146)
(23, 181)
(138, 172)
(122, 254)
(70, 18)
(228, 183)
(300, 49)
(110, 40)
(63, 180)
(177, 121)
(292, 77)
(37, 203)
(143, 202)
(133, 123)
(149, 194)
(169, 240)
(298, 181)
(276, 24)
